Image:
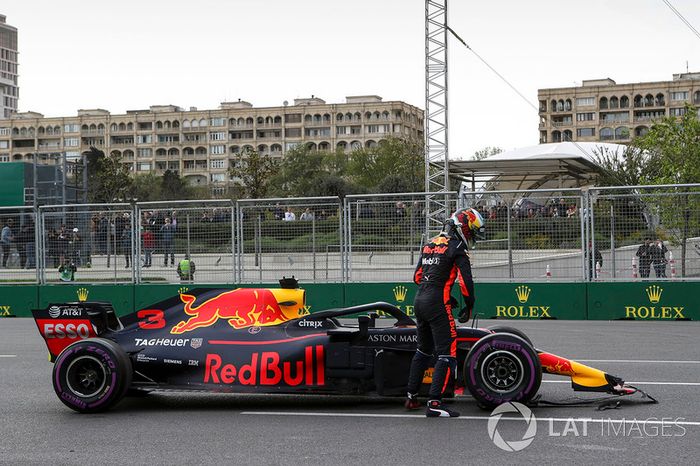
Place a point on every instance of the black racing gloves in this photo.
(466, 312)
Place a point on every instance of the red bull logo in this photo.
(553, 364)
(242, 307)
(440, 240)
(268, 368)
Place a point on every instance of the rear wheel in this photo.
(502, 367)
(92, 375)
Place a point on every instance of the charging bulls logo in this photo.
(242, 308)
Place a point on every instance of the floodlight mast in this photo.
(436, 116)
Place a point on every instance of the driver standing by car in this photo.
(443, 260)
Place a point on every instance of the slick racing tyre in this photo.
(502, 367)
(92, 375)
(513, 330)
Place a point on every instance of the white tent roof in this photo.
(556, 165)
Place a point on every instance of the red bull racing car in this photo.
(263, 341)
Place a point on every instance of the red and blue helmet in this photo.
(469, 225)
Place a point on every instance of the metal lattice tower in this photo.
(436, 156)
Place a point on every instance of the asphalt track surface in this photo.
(176, 428)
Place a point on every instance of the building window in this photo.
(679, 95)
(292, 132)
(606, 134)
(590, 116)
(677, 111)
(373, 129)
(144, 167)
(585, 132)
(71, 142)
(71, 128)
(218, 177)
(218, 149)
(292, 118)
(220, 136)
(144, 152)
(217, 122)
(145, 126)
(144, 139)
(217, 163)
(4, 144)
(4, 131)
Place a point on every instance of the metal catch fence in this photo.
(597, 234)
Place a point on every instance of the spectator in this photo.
(561, 208)
(6, 239)
(52, 245)
(167, 235)
(307, 215)
(74, 242)
(400, 209)
(67, 271)
(21, 241)
(644, 252)
(289, 215)
(186, 269)
(149, 245)
(62, 240)
(571, 211)
(126, 240)
(322, 215)
(658, 258)
(278, 212)
(595, 260)
(31, 247)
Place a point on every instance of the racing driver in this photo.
(442, 261)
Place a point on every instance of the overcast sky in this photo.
(130, 54)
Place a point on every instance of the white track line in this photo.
(8, 355)
(643, 361)
(473, 418)
(689, 384)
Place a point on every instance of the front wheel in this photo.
(92, 375)
(502, 367)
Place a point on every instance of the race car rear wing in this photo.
(65, 323)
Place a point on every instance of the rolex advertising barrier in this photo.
(642, 300)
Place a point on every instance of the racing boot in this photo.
(436, 409)
(412, 402)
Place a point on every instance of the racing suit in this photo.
(442, 261)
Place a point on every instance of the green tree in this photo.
(108, 178)
(173, 186)
(630, 168)
(487, 151)
(673, 147)
(147, 187)
(252, 173)
(392, 156)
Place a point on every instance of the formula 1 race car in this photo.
(262, 340)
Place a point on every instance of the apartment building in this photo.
(602, 110)
(9, 91)
(201, 144)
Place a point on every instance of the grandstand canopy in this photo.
(556, 165)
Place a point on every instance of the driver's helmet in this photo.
(468, 224)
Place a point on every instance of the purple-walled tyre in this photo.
(502, 367)
(513, 330)
(92, 375)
